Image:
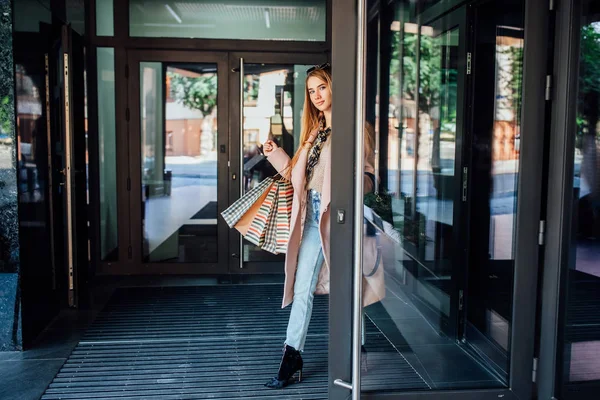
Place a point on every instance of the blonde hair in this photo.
(310, 114)
(369, 143)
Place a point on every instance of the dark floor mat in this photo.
(583, 313)
(209, 211)
(219, 342)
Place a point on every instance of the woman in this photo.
(307, 258)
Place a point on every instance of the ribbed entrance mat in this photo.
(217, 342)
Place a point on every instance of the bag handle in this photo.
(377, 260)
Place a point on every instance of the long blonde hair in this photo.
(310, 114)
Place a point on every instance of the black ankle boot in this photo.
(291, 362)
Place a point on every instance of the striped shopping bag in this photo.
(263, 215)
(234, 213)
(278, 231)
(257, 231)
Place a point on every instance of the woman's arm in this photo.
(280, 161)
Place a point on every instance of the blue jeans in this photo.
(310, 261)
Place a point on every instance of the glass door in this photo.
(495, 167)
(267, 104)
(442, 88)
(570, 333)
(413, 334)
(178, 161)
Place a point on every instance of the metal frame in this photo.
(533, 112)
(343, 58)
(93, 144)
(68, 166)
(559, 198)
(528, 210)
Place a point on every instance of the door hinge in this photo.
(542, 233)
(469, 61)
(128, 184)
(534, 370)
(548, 87)
(127, 114)
(465, 183)
(127, 71)
(551, 5)
(460, 299)
(130, 252)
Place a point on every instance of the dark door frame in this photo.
(528, 210)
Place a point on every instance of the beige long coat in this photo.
(373, 287)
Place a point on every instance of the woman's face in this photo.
(319, 92)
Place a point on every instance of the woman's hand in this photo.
(269, 147)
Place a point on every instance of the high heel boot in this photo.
(291, 362)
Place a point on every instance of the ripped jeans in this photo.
(310, 261)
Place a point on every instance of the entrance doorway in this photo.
(443, 89)
(195, 132)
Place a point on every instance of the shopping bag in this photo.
(244, 223)
(263, 214)
(240, 207)
(277, 230)
(284, 215)
(266, 213)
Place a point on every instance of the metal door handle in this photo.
(241, 151)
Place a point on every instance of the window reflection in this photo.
(107, 143)
(273, 101)
(303, 20)
(179, 162)
(581, 350)
(32, 150)
(447, 118)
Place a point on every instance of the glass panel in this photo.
(105, 25)
(179, 162)
(434, 156)
(260, 20)
(107, 142)
(425, 334)
(581, 343)
(76, 15)
(273, 101)
(29, 13)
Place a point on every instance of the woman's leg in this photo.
(310, 261)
